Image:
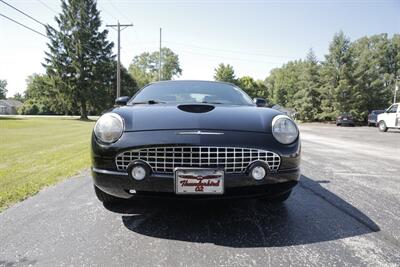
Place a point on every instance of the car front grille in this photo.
(166, 159)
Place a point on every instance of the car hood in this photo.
(144, 117)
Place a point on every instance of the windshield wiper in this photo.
(150, 102)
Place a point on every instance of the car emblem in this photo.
(199, 133)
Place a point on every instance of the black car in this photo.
(373, 116)
(345, 119)
(194, 139)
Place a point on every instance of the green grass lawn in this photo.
(40, 151)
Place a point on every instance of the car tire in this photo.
(279, 198)
(338, 124)
(104, 197)
(382, 126)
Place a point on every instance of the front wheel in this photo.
(382, 126)
(104, 197)
(279, 198)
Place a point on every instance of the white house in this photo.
(9, 106)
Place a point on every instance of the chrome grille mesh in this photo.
(166, 159)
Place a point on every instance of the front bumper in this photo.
(118, 183)
(121, 184)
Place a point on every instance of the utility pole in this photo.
(159, 59)
(395, 93)
(118, 26)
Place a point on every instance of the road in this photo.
(344, 212)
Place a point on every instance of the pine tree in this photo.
(79, 55)
(307, 99)
(336, 75)
(371, 65)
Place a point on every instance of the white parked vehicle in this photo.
(390, 118)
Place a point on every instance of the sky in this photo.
(253, 36)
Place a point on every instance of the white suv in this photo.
(390, 118)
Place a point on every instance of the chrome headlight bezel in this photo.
(109, 128)
(284, 136)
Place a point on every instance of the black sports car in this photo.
(194, 139)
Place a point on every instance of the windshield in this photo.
(193, 92)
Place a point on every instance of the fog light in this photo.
(258, 172)
(138, 173)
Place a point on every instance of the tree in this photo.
(355, 77)
(19, 97)
(105, 97)
(393, 58)
(307, 99)
(79, 54)
(283, 83)
(373, 73)
(336, 75)
(225, 73)
(144, 67)
(3, 89)
(43, 98)
(252, 87)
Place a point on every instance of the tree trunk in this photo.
(83, 110)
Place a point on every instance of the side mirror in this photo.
(122, 100)
(260, 102)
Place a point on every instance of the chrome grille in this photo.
(166, 159)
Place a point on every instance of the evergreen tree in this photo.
(106, 96)
(336, 74)
(307, 98)
(79, 55)
(372, 64)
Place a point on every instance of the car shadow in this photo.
(312, 214)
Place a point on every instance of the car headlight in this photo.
(109, 128)
(284, 129)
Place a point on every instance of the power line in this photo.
(118, 10)
(22, 12)
(230, 51)
(228, 58)
(23, 25)
(106, 12)
(47, 6)
(35, 31)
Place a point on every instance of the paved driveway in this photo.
(345, 212)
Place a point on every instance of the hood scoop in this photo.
(196, 108)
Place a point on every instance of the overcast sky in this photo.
(253, 36)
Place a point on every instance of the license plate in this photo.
(345, 119)
(199, 181)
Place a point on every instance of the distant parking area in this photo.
(353, 135)
(344, 212)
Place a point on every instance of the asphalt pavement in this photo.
(344, 212)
